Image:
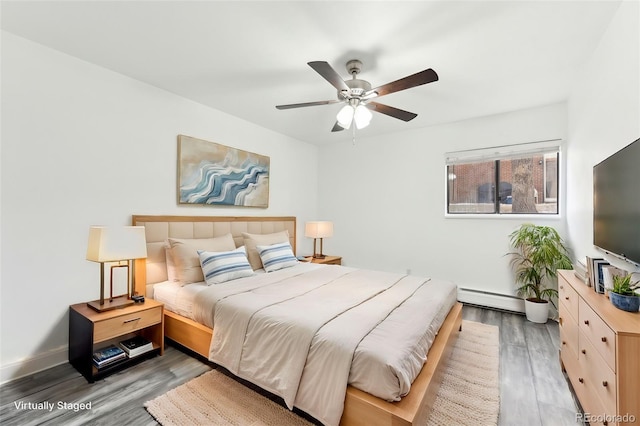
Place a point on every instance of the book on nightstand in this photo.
(136, 346)
(107, 356)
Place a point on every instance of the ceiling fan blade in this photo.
(417, 79)
(329, 74)
(391, 111)
(307, 104)
(337, 127)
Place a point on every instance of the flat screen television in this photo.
(616, 203)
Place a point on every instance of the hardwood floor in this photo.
(533, 390)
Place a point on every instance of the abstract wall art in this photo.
(213, 174)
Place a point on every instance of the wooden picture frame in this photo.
(213, 174)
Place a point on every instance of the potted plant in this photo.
(623, 295)
(539, 253)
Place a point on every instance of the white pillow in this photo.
(219, 267)
(253, 240)
(172, 275)
(185, 255)
(277, 256)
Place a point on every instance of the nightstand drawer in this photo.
(120, 325)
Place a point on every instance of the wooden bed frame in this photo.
(360, 408)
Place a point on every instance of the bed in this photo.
(197, 334)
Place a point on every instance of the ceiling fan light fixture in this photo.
(357, 92)
(362, 116)
(345, 116)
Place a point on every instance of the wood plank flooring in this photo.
(533, 390)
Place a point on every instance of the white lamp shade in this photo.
(345, 116)
(112, 244)
(362, 116)
(318, 229)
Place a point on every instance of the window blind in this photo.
(502, 152)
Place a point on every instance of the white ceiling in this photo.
(246, 57)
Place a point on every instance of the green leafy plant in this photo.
(623, 286)
(540, 252)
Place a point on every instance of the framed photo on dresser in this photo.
(598, 275)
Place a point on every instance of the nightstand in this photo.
(90, 330)
(327, 260)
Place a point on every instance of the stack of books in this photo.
(136, 346)
(107, 356)
(595, 274)
(580, 271)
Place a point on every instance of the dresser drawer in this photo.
(113, 327)
(568, 332)
(598, 332)
(569, 297)
(576, 377)
(591, 404)
(601, 380)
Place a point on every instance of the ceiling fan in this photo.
(357, 94)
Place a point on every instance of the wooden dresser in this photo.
(600, 352)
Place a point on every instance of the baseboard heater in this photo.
(491, 300)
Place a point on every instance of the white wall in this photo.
(85, 146)
(386, 197)
(604, 116)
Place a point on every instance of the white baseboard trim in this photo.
(491, 300)
(33, 364)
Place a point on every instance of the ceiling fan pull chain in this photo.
(353, 140)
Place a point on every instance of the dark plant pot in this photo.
(626, 303)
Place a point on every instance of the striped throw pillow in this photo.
(276, 256)
(218, 267)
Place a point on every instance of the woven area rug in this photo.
(469, 394)
(470, 390)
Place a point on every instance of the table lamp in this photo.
(318, 230)
(115, 245)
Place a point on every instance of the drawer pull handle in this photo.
(605, 384)
(586, 322)
(564, 343)
(584, 351)
(580, 379)
(131, 320)
(604, 339)
(605, 423)
(566, 297)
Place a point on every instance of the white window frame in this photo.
(500, 153)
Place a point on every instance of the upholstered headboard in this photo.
(159, 228)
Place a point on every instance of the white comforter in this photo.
(297, 332)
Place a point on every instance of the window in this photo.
(516, 179)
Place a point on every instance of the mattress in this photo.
(177, 298)
(180, 299)
(304, 332)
